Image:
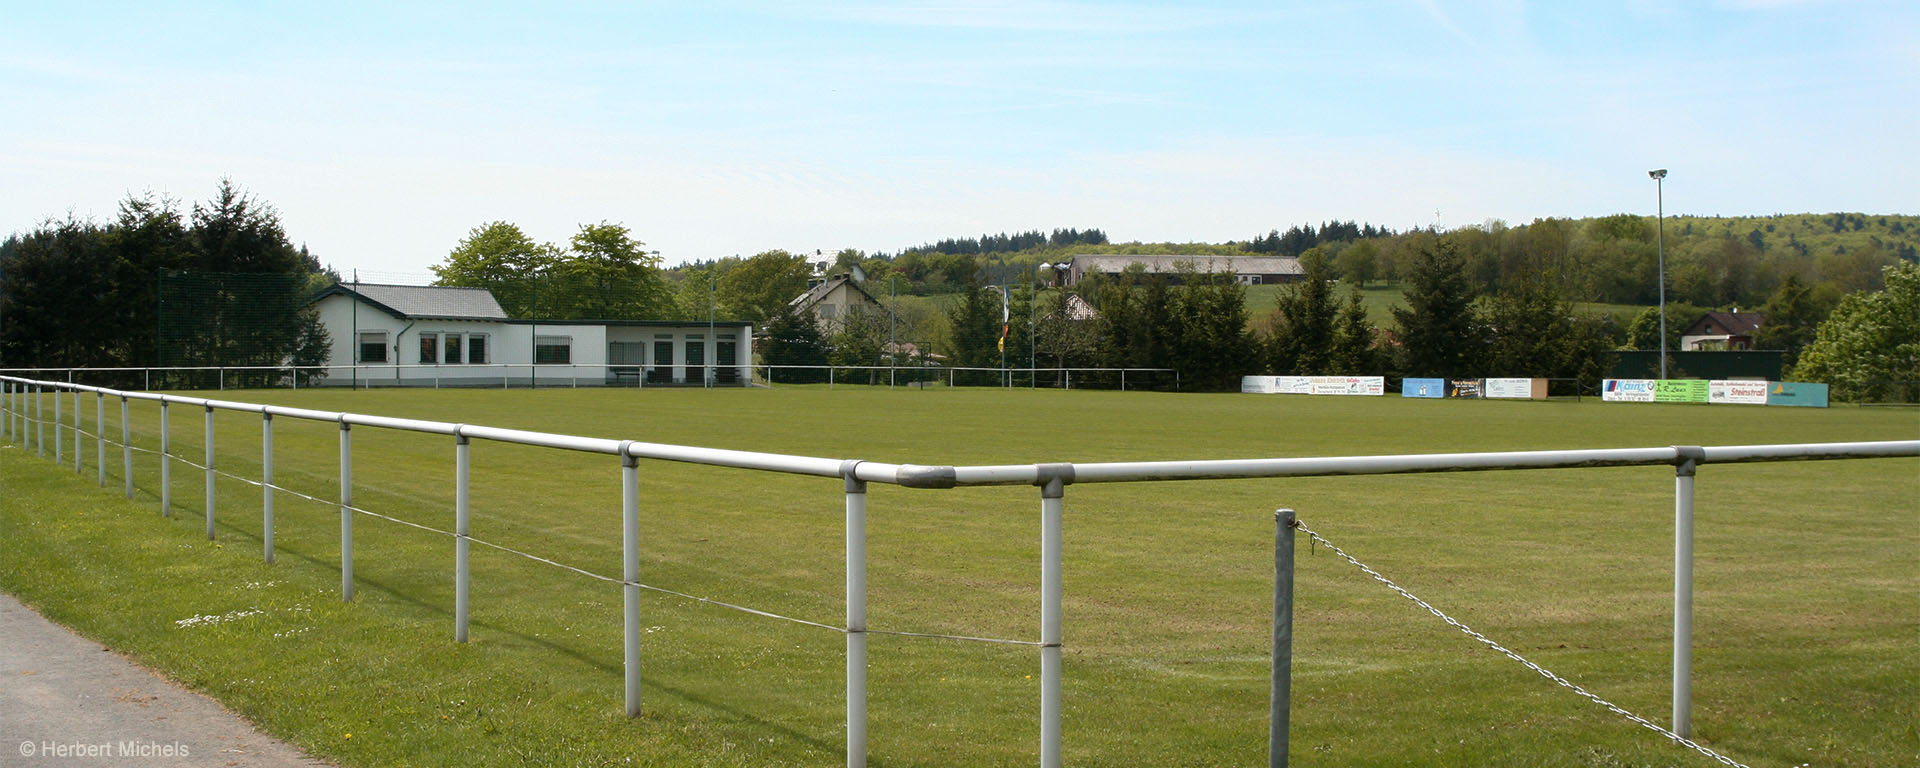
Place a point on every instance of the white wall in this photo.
(510, 350)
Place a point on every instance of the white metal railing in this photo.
(1006, 378)
(22, 401)
(575, 375)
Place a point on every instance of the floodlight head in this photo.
(1657, 174)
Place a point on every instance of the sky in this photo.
(384, 132)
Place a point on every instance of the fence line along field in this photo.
(1807, 574)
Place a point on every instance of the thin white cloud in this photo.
(1765, 5)
(1044, 16)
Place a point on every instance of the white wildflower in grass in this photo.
(208, 620)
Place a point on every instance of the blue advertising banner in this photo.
(1797, 393)
(1435, 388)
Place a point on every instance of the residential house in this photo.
(1722, 331)
(832, 300)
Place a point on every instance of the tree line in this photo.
(216, 284)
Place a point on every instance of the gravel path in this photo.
(67, 701)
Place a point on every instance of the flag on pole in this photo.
(1006, 312)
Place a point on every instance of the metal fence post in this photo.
(79, 437)
(209, 473)
(1683, 471)
(166, 465)
(126, 447)
(1052, 480)
(1280, 716)
(266, 484)
(100, 435)
(856, 616)
(461, 451)
(346, 511)
(6, 398)
(58, 439)
(630, 574)
(40, 419)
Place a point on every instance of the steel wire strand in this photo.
(1563, 682)
(585, 572)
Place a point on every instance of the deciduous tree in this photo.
(760, 287)
(1869, 348)
(499, 257)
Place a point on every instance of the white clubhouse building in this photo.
(426, 336)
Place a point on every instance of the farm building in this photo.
(408, 335)
(1251, 270)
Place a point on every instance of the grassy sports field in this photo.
(1807, 628)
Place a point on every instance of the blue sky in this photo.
(384, 132)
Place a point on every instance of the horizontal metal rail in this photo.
(948, 476)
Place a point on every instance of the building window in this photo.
(553, 349)
(373, 347)
(477, 348)
(429, 348)
(453, 348)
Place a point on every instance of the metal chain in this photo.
(1564, 683)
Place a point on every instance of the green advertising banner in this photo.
(1680, 391)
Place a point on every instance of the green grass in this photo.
(1808, 602)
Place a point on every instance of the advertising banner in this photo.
(1293, 385)
(1515, 389)
(1348, 385)
(1627, 390)
(1739, 392)
(1423, 388)
(1464, 388)
(1262, 385)
(1680, 391)
(1797, 393)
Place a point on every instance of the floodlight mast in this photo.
(1659, 176)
